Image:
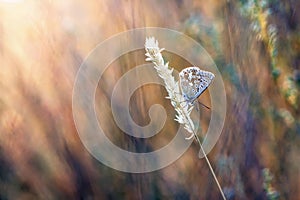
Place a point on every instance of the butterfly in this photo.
(193, 82)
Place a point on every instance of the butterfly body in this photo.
(193, 82)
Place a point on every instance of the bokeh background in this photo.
(256, 46)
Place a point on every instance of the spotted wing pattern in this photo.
(193, 82)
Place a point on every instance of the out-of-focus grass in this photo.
(42, 44)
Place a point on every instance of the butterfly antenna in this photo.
(204, 105)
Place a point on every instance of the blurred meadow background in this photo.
(256, 46)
